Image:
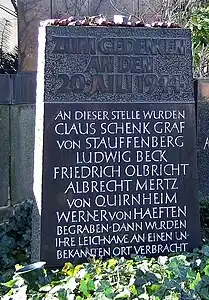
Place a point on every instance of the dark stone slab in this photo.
(116, 143)
(5, 89)
(203, 137)
(24, 88)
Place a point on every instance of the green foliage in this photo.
(15, 237)
(199, 25)
(183, 277)
(204, 217)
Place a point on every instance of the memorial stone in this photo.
(115, 155)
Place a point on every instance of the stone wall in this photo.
(17, 123)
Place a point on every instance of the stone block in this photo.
(4, 154)
(24, 88)
(203, 137)
(22, 145)
(5, 89)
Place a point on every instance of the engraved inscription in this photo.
(120, 184)
(90, 84)
(74, 45)
(119, 46)
(119, 65)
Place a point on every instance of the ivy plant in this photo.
(15, 238)
(184, 276)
